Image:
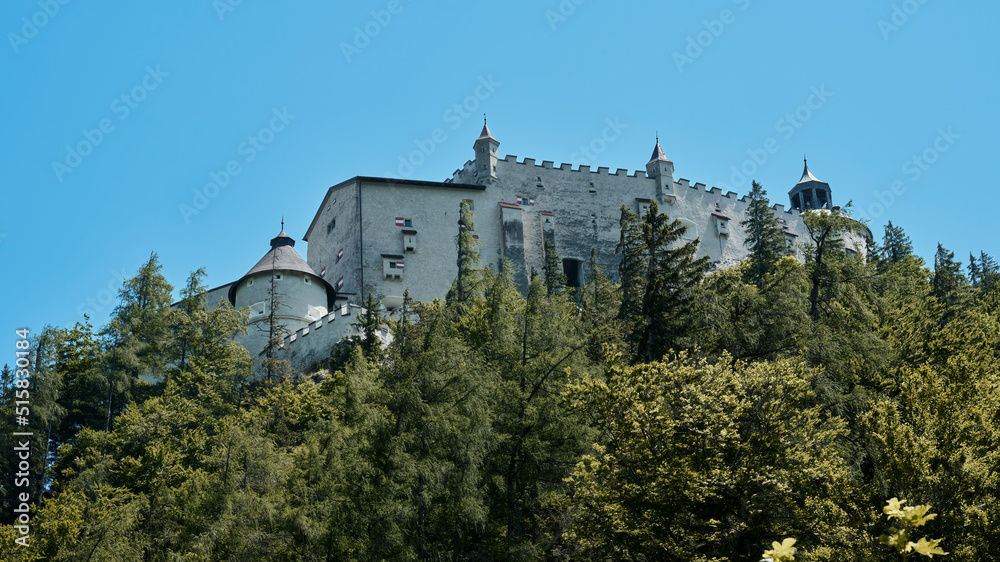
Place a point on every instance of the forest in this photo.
(839, 406)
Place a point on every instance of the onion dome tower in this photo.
(810, 192)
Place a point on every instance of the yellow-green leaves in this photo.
(908, 518)
(781, 552)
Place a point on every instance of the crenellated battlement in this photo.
(326, 320)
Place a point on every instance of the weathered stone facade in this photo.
(367, 221)
(382, 236)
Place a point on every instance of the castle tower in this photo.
(283, 282)
(810, 192)
(661, 169)
(486, 156)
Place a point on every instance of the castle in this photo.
(382, 236)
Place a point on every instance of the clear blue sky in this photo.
(862, 88)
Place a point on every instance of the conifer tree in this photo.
(632, 273)
(984, 272)
(948, 284)
(277, 332)
(600, 306)
(469, 275)
(765, 237)
(896, 245)
(370, 322)
(672, 271)
(555, 279)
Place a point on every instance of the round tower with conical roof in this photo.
(810, 192)
(283, 288)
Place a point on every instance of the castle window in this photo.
(392, 266)
(331, 225)
(307, 280)
(409, 240)
(250, 282)
(258, 309)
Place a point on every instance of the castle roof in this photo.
(808, 176)
(658, 155)
(283, 257)
(486, 134)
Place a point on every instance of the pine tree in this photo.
(192, 307)
(984, 272)
(468, 280)
(632, 273)
(672, 271)
(948, 284)
(896, 245)
(765, 237)
(277, 332)
(555, 279)
(370, 322)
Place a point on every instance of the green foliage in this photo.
(502, 426)
(705, 460)
(907, 520)
(555, 279)
(468, 279)
(896, 245)
(765, 237)
(658, 277)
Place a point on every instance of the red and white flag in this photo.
(531, 200)
(323, 273)
(340, 283)
(399, 265)
(340, 254)
(399, 221)
(519, 200)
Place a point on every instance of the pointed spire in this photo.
(486, 134)
(658, 155)
(807, 176)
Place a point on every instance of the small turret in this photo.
(661, 169)
(486, 156)
(810, 192)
